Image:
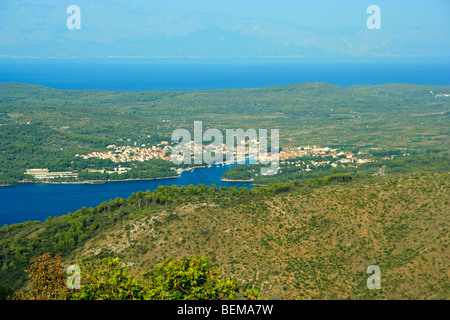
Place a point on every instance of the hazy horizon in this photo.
(244, 29)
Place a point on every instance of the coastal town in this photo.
(163, 150)
(123, 154)
(291, 156)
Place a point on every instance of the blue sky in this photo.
(327, 14)
(224, 29)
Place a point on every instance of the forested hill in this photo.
(285, 98)
(314, 239)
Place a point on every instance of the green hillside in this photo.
(314, 239)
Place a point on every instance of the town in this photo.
(287, 157)
(129, 154)
(124, 154)
(342, 158)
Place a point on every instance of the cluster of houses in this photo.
(127, 154)
(440, 94)
(342, 158)
(123, 154)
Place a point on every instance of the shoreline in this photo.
(86, 181)
(237, 180)
(179, 172)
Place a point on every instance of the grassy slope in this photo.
(315, 243)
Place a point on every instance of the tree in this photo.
(47, 279)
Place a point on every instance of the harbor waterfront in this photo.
(38, 201)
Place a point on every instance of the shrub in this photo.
(106, 280)
(188, 279)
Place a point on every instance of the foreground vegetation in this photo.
(314, 239)
(108, 279)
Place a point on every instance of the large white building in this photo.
(45, 174)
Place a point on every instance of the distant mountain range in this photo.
(110, 30)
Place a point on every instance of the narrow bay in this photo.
(37, 201)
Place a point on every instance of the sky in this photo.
(326, 14)
(224, 29)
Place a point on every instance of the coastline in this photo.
(86, 181)
(237, 180)
(9, 185)
(179, 171)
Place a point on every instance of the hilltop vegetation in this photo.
(313, 239)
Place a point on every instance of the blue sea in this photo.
(38, 201)
(196, 74)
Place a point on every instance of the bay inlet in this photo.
(38, 201)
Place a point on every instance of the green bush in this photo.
(188, 279)
(106, 280)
